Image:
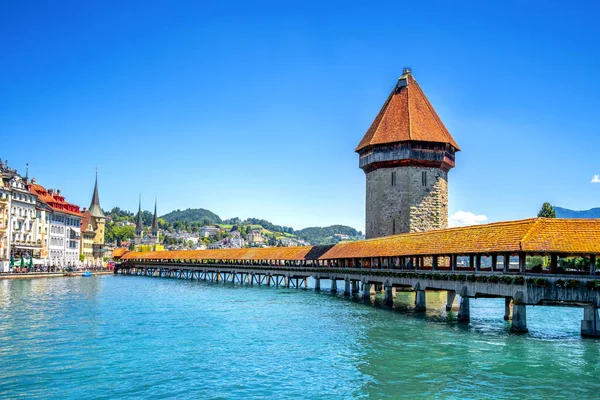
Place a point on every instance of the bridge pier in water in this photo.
(464, 310)
(347, 288)
(333, 285)
(317, 284)
(590, 325)
(390, 295)
(519, 314)
(508, 308)
(368, 290)
(420, 300)
(451, 297)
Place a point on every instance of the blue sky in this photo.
(255, 110)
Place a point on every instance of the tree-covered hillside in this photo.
(200, 215)
(326, 235)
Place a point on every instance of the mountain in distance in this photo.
(566, 213)
(313, 235)
(190, 215)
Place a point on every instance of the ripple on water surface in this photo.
(132, 337)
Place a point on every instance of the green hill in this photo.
(190, 215)
(318, 235)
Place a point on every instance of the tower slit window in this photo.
(424, 178)
(393, 178)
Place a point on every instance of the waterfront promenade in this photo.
(418, 262)
(33, 275)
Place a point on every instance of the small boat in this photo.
(86, 273)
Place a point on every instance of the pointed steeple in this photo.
(406, 116)
(139, 227)
(95, 209)
(155, 221)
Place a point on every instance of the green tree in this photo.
(81, 257)
(547, 211)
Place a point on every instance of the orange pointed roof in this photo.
(406, 116)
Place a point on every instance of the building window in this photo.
(424, 178)
(393, 178)
(393, 226)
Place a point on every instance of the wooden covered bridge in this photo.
(477, 261)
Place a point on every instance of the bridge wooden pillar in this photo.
(506, 262)
(453, 262)
(522, 262)
(333, 285)
(471, 261)
(434, 265)
(553, 263)
(593, 264)
(317, 284)
(347, 288)
(494, 262)
(478, 262)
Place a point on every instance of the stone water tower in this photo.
(406, 155)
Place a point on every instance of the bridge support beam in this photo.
(317, 284)
(390, 294)
(590, 325)
(333, 286)
(420, 300)
(464, 310)
(519, 315)
(450, 298)
(347, 288)
(507, 309)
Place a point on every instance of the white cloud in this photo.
(596, 179)
(465, 218)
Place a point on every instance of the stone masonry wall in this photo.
(408, 206)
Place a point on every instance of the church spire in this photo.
(95, 209)
(139, 227)
(155, 222)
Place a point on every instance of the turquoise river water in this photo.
(114, 337)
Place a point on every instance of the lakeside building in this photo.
(64, 226)
(39, 225)
(87, 237)
(23, 220)
(256, 238)
(208, 231)
(6, 174)
(98, 225)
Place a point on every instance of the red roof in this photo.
(406, 115)
(55, 201)
(85, 221)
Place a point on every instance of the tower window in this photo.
(393, 178)
(393, 226)
(424, 178)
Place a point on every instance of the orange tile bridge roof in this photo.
(531, 236)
